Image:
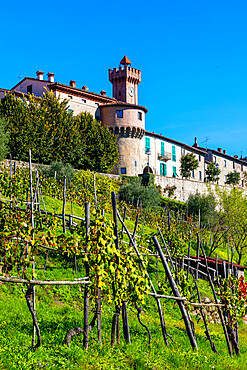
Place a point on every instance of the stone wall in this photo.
(186, 187)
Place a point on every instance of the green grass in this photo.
(61, 308)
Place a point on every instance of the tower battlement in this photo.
(125, 80)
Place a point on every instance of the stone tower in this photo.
(125, 81)
(126, 118)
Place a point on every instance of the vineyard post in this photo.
(32, 222)
(176, 293)
(216, 301)
(188, 264)
(64, 203)
(197, 255)
(204, 319)
(115, 321)
(162, 321)
(86, 292)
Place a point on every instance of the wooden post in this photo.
(216, 301)
(176, 294)
(64, 203)
(86, 292)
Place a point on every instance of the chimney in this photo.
(220, 150)
(195, 143)
(72, 83)
(235, 156)
(103, 93)
(50, 77)
(40, 75)
(85, 88)
(224, 151)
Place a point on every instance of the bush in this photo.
(131, 191)
(206, 204)
(4, 139)
(58, 168)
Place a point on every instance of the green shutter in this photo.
(147, 144)
(174, 153)
(162, 151)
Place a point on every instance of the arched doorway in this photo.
(147, 169)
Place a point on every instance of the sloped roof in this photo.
(125, 61)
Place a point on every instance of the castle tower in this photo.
(126, 118)
(125, 81)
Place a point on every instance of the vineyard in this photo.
(101, 277)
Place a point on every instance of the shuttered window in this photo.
(147, 144)
(162, 149)
(163, 171)
(174, 153)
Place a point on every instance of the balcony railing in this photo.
(166, 156)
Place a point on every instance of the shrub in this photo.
(131, 191)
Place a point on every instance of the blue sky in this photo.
(192, 54)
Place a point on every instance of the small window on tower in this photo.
(30, 89)
(119, 114)
(140, 116)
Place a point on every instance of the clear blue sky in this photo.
(192, 54)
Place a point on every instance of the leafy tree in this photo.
(233, 178)
(212, 172)
(131, 191)
(234, 207)
(4, 139)
(101, 151)
(188, 164)
(58, 170)
(47, 127)
(205, 204)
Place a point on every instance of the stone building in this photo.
(140, 151)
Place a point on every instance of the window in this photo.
(174, 153)
(123, 170)
(140, 116)
(147, 144)
(163, 170)
(29, 89)
(224, 163)
(119, 114)
(174, 172)
(162, 149)
(200, 175)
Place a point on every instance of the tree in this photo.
(132, 192)
(234, 207)
(212, 172)
(4, 139)
(205, 204)
(188, 163)
(46, 126)
(101, 151)
(233, 178)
